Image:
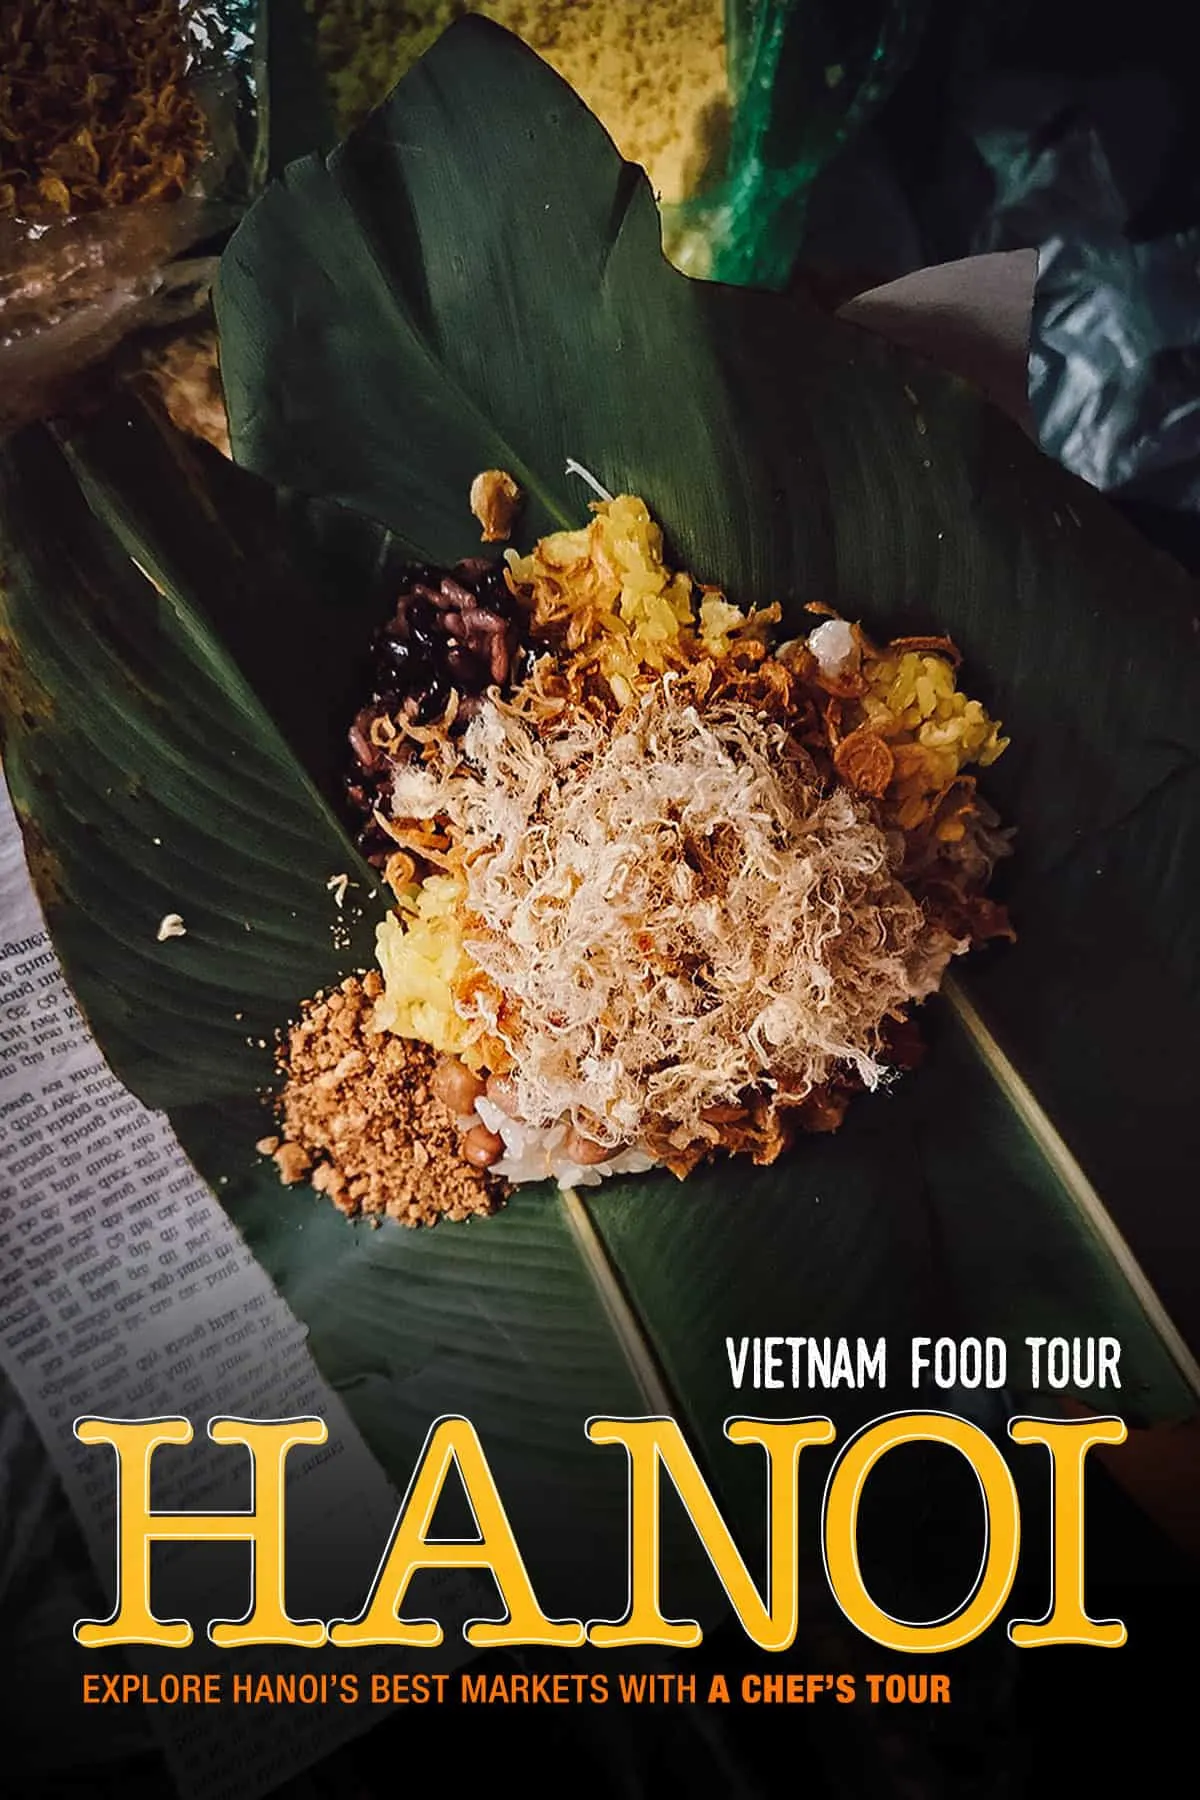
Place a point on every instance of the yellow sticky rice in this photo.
(421, 955)
(914, 703)
(606, 591)
(916, 695)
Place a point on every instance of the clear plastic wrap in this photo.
(120, 152)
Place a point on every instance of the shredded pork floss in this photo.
(680, 912)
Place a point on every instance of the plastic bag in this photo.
(804, 76)
(1114, 366)
(122, 133)
(70, 292)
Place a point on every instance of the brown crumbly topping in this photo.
(292, 1162)
(358, 1117)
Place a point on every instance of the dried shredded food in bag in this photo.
(95, 107)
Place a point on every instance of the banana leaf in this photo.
(475, 280)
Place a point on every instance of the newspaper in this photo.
(127, 1292)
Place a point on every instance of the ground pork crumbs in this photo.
(358, 1118)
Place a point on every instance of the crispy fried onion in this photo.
(681, 914)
